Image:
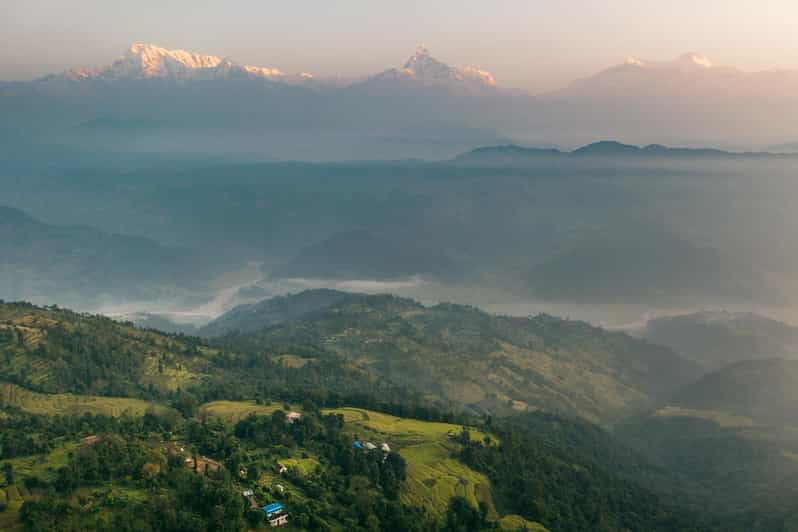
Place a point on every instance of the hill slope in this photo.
(715, 339)
(53, 350)
(470, 358)
(254, 317)
(74, 263)
(764, 390)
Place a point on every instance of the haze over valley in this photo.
(539, 275)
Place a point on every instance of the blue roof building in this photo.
(357, 445)
(271, 509)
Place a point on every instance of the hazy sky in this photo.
(531, 44)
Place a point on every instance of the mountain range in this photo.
(148, 61)
(173, 100)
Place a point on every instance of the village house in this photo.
(293, 416)
(280, 469)
(89, 440)
(275, 514)
(203, 465)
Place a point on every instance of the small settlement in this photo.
(275, 514)
(368, 446)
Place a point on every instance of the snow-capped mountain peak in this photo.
(634, 61)
(424, 70)
(695, 59)
(690, 60)
(144, 60)
(149, 61)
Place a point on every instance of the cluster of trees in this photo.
(353, 489)
(84, 354)
(24, 434)
(552, 477)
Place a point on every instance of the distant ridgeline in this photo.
(512, 153)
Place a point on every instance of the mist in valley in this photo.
(575, 310)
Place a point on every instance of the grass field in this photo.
(303, 466)
(516, 522)
(233, 411)
(401, 430)
(67, 403)
(434, 475)
(45, 466)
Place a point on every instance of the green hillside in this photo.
(737, 473)
(66, 403)
(466, 357)
(254, 317)
(433, 475)
(763, 390)
(208, 422)
(55, 350)
(716, 338)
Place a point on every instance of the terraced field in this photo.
(67, 403)
(234, 411)
(434, 475)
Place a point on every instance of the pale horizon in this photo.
(537, 47)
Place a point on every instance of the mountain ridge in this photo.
(608, 148)
(463, 355)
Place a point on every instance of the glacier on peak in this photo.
(148, 61)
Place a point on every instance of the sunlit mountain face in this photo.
(157, 100)
(149, 61)
(290, 271)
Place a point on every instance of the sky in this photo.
(536, 45)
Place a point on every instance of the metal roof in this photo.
(272, 508)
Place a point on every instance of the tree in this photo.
(462, 517)
(186, 404)
(8, 473)
(253, 472)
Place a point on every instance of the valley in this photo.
(283, 266)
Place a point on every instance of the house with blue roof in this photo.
(275, 514)
(272, 508)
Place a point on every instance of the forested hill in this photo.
(53, 350)
(258, 316)
(56, 350)
(78, 263)
(107, 426)
(717, 338)
(466, 357)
